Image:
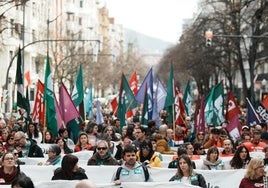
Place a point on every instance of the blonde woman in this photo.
(255, 175)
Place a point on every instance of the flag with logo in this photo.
(38, 109)
(50, 109)
(214, 108)
(69, 111)
(232, 116)
(133, 84)
(180, 110)
(170, 98)
(78, 93)
(187, 99)
(126, 100)
(262, 110)
(89, 102)
(252, 116)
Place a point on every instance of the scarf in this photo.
(9, 178)
(53, 161)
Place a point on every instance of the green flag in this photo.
(50, 109)
(170, 99)
(214, 108)
(187, 99)
(170, 88)
(78, 90)
(126, 100)
(78, 99)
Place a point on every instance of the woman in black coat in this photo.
(69, 169)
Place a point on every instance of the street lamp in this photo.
(48, 22)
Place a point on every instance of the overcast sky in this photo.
(156, 18)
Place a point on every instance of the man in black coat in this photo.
(29, 148)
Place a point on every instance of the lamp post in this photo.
(48, 22)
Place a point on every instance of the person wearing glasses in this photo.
(29, 148)
(9, 145)
(255, 174)
(200, 137)
(147, 154)
(9, 171)
(102, 156)
(54, 155)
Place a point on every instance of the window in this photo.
(80, 21)
(81, 3)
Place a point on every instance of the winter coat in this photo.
(195, 179)
(153, 162)
(97, 160)
(218, 165)
(80, 174)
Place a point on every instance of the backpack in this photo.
(145, 170)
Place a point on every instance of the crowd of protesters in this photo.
(113, 145)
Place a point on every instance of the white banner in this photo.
(103, 174)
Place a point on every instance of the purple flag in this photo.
(67, 106)
(200, 118)
(60, 121)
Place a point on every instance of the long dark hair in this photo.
(35, 134)
(236, 162)
(67, 165)
(179, 173)
(146, 144)
(65, 147)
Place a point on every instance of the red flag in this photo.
(38, 110)
(232, 116)
(265, 102)
(114, 105)
(133, 83)
(200, 116)
(69, 111)
(179, 109)
(27, 77)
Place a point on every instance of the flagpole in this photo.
(173, 119)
